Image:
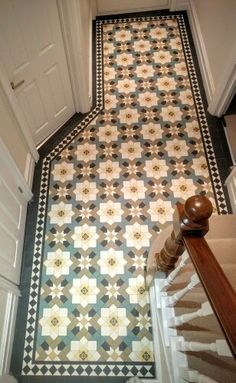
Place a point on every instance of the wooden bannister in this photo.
(189, 219)
(189, 227)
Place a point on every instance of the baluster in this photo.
(202, 312)
(220, 347)
(173, 299)
(160, 284)
(194, 376)
(168, 256)
(189, 219)
(169, 280)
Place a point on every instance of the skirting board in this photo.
(119, 7)
(144, 9)
(7, 379)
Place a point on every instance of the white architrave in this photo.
(94, 8)
(29, 170)
(13, 102)
(76, 21)
(8, 329)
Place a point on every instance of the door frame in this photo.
(81, 91)
(6, 344)
(74, 17)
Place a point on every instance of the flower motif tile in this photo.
(128, 116)
(131, 150)
(106, 190)
(63, 172)
(84, 291)
(83, 350)
(109, 170)
(58, 263)
(86, 191)
(161, 211)
(156, 168)
(110, 212)
(85, 237)
(137, 236)
(54, 322)
(151, 131)
(86, 152)
(108, 133)
(114, 322)
(136, 291)
(61, 213)
(112, 262)
(177, 148)
(141, 350)
(134, 189)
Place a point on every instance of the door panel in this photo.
(56, 89)
(9, 247)
(13, 207)
(9, 204)
(14, 47)
(30, 100)
(33, 51)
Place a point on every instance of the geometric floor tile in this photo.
(106, 190)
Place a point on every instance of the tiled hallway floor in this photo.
(106, 189)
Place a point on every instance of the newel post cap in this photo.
(198, 208)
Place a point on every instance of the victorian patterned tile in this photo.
(106, 190)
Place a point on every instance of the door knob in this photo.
(17, 85)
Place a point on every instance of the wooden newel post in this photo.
(190, 219)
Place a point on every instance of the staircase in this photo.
(193, 296)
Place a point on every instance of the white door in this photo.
(33, 54)
(14, 196)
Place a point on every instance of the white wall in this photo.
(11, 134)
(217, 19)
(120, 6)
(213, 25)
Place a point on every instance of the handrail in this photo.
(216, 285)
(190, 225)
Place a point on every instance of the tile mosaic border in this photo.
(29, 367)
